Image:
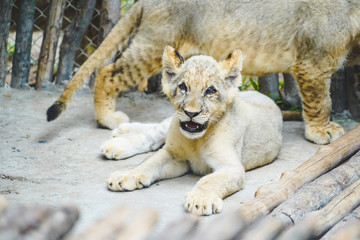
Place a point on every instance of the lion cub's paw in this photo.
(127, 181)
(201, 203)
(324, 135)
(121, 130)
(132, 128)
(119, 148)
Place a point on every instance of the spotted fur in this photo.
(310, 39)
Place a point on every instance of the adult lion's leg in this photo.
(106, 91)
(138, 62)
(314, 86)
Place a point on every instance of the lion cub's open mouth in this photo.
(193, 127)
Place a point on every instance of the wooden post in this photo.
(49, 44)
(5, 18)
(72, 39)
(269, 85)
(24, 30)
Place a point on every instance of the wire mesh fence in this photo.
(88, 45)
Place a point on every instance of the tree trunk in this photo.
(338, 91)
(72, 39)
(5, 18)
(109, 16)
(291, 91)
(269, 85)
(24, 31)
(49, 44)
(353, 90)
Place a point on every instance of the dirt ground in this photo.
(58, 163)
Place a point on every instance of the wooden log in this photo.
(3, 204)
(316, 223)
(49, 44)
(21, 58)
(350, 231)
(224, 226)
(180, 229)
(122, 223)
(327, 157)
(36, 222)
(269, 85)
(347, 228)
(5, 18)
(310, 197)
(72, 39)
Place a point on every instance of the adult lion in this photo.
(310, 39)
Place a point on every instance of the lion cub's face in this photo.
(200, 88)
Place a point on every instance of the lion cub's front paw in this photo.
(201, 203)
(324, 135)
(127, 181)
(119, 148)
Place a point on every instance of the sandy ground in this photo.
(59, 162)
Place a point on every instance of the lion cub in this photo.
(217, 131)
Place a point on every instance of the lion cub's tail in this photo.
(117, 39)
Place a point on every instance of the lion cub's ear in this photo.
(232, 66)
(172, 61)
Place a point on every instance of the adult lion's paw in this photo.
(201, 203)
(127, 181)
(119, 148)
(324, 135)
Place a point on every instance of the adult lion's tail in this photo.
(117, 39)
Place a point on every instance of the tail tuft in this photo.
(55, 110)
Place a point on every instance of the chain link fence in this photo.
(88, 45)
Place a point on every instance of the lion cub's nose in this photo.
(191, 114)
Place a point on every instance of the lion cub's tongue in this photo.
(192, 126)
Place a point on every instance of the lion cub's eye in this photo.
(210, 91)
(183, 87)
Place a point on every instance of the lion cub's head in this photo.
(200, 88)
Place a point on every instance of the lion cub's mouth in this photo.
(193, 127)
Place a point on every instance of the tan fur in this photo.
(311, 39)
(230, 132)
